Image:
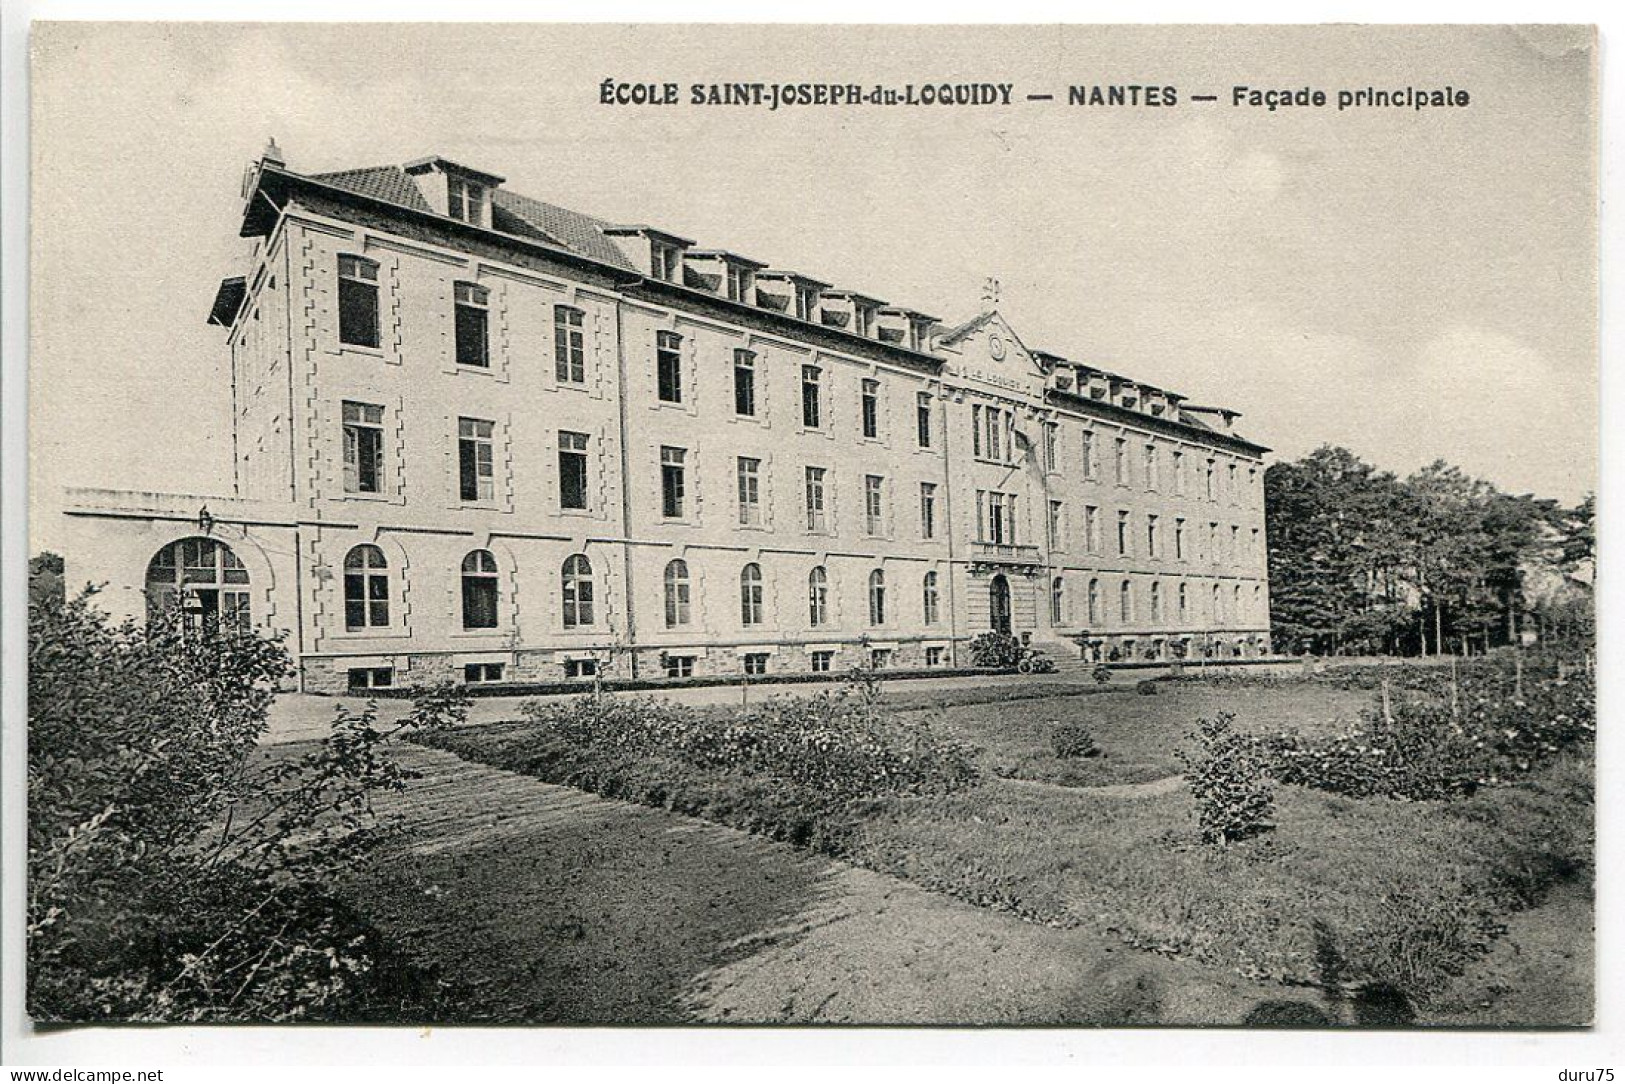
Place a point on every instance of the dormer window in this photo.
(465, 200)
(740, 283)
(806, 301)
(862, 320)
(665, 261)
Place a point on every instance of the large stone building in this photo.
(480, 436)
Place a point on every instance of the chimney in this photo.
(273, 153)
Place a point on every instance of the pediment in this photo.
(987, 350)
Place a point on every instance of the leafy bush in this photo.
(1102, 673)
(1074, 740)
(1227, 777)
(1444, 736)
(801, 769)
(837, 744)
(172, 866)
(1148, 687)
(996, 650)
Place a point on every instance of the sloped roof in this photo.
(510, 212)
(575, 231)
(388, 183)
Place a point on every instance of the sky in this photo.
(1412, 285)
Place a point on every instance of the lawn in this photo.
(1137, 734)
(1371, 897)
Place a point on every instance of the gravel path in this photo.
(544, 904)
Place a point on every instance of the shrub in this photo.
(173, 869)
(1226, 776)
(1102, 673)
(1073, 740)
(996, 650)
(838, 745)
(1147, 687)
(1435, 735)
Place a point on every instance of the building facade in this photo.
(482, 437)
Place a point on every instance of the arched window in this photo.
(677, 611)
(1125, 602)
(877, 597)
(206, 579)
(1094, 603)
(1184, 602)
(750, 594)
(366, 589)
(578, 595)
(1218, 604)
(817, 597)
(932, 599)
(1258, 609)
(1156, 601)
(479, 590)
(1057, 601)
(1235, 609)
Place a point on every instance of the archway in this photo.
(998, 592)
(203, 580)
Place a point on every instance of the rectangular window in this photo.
(475, 673)
(756, 663)
(1179, 539)
(873, 504)
(1152, 481)
(679, 666)
(569, 348)
(1252, 548)
(879, 658)
(806, 302)
(1121, 461)
(1235, 543)
(358, 302)
(750, 491)
(817, 520)
(1091, 528)
(580, 668)
(928, 510)
(1122, 534)
(664, 260)
(740, 281)
(1179, 473)
(363, 448)
(371, 677)
(995, 436)
(1055, 532)
(472, 305)
(1090, 467)
(1210, 480)
(871, 409)
(1232, 482)
(922, 418)
(465, 200)
(822, 661)
(745, 383)
(669, 367)
(672, 482)
(935, 656)
(975, 429)
(475, 469)
(811, 410)
(1052, 434)
(1151, 536)
(1213, 542)
(862, 319)
(1001, 519)
(572, 470)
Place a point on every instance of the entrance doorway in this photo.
(998, 592)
